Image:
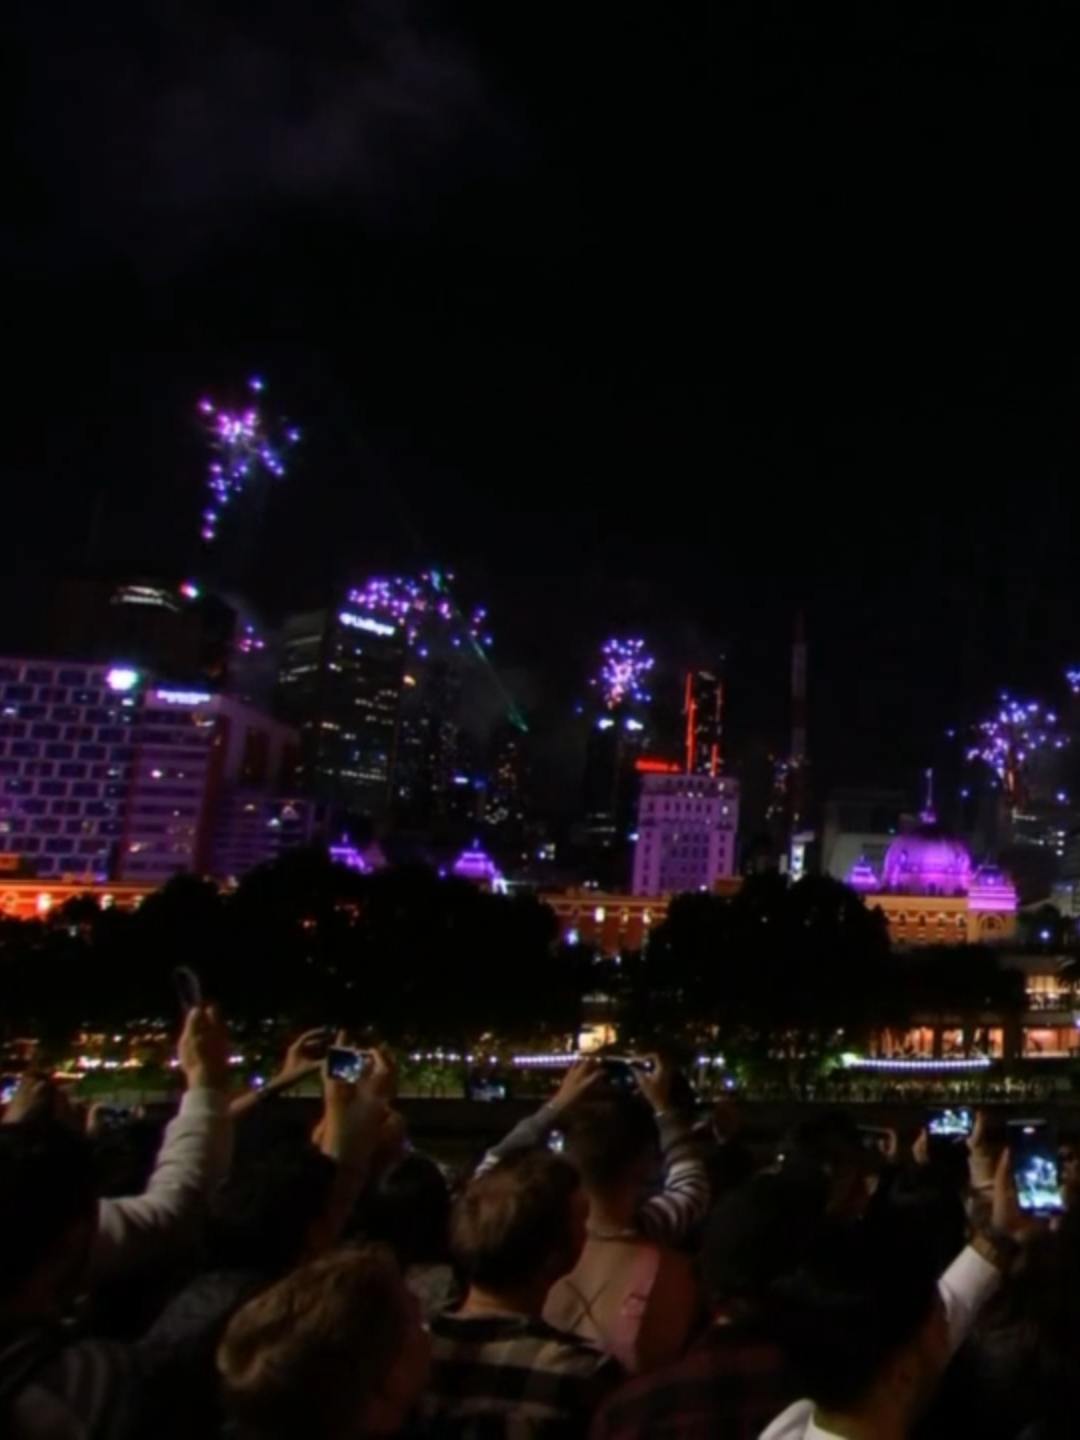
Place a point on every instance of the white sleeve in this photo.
(965, 1288)
(193, 1161)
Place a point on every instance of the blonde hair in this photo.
(307, 1355)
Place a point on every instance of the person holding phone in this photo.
(57, 1239)
(303, 1058)
(867, 1377)
(194, 1159)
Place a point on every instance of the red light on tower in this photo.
(657, 767)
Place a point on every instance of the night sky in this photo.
(678, 322)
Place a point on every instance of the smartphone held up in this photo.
(343, 1063)
(188, 988)
(1033, 1160)
(950, 1124)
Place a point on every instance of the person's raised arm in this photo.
(977, 1271)
(194, 1158)
(684, 1198)
(535, 1128)
(349, 1133)
(298, 1064)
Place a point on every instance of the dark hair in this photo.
(47, 1185)
(825, 1144)
(263, 1213)
(862, 1296)
(933, 1221)
(754, 1237)
(606, 1138)
(509, 1223)
(408, 1209)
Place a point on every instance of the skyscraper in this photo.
(617, 738)
(107, 775)
(703, 716)
(505, 796)
(686, 833)
(429, 755)
(340, 684)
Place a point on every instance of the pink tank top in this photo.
(617, 1333)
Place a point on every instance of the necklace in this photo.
(596, 1232)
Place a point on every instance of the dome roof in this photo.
(927, 863)
(473, 864)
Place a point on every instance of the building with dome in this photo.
(932, 893)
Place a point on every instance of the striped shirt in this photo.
(512, 1377)
(667, 1217)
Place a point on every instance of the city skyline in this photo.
(841, 379)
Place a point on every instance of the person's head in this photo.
(754, 1237)
(274, 1211)
(408, 1209)
(520, 1227)
(335, 1349)
(864, 1325)
(828, 1149)
(48, 1215)
(933, 1220)
(613, 1143)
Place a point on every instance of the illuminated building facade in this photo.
(340, 684)
(931, 893)
(251, 827)
(479, 869)
(22, 899)
(611, 924)
(686, 835)
(199, 760)
(106, 776)
(614, 923)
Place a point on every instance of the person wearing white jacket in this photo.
(872, 1332)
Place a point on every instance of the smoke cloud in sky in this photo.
(173, 123)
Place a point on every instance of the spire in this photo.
(929, 814)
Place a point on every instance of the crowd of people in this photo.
(608, 1270)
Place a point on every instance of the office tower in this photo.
(686, 833)
(618, 717)
(703, 718)
(173, 630)
(431, 763)
(340, 685)
(252, 826)
(105, 774)
(859, 825)
(199, 762)
(505, 797)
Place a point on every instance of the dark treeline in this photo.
(416, 956)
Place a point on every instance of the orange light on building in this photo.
(657, 767)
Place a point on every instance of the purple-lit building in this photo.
(479, 868)
(687, 826)
(107, 775)
(932, 893)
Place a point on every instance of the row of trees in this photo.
(302, 939)
(799, 965)
(432, 959)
